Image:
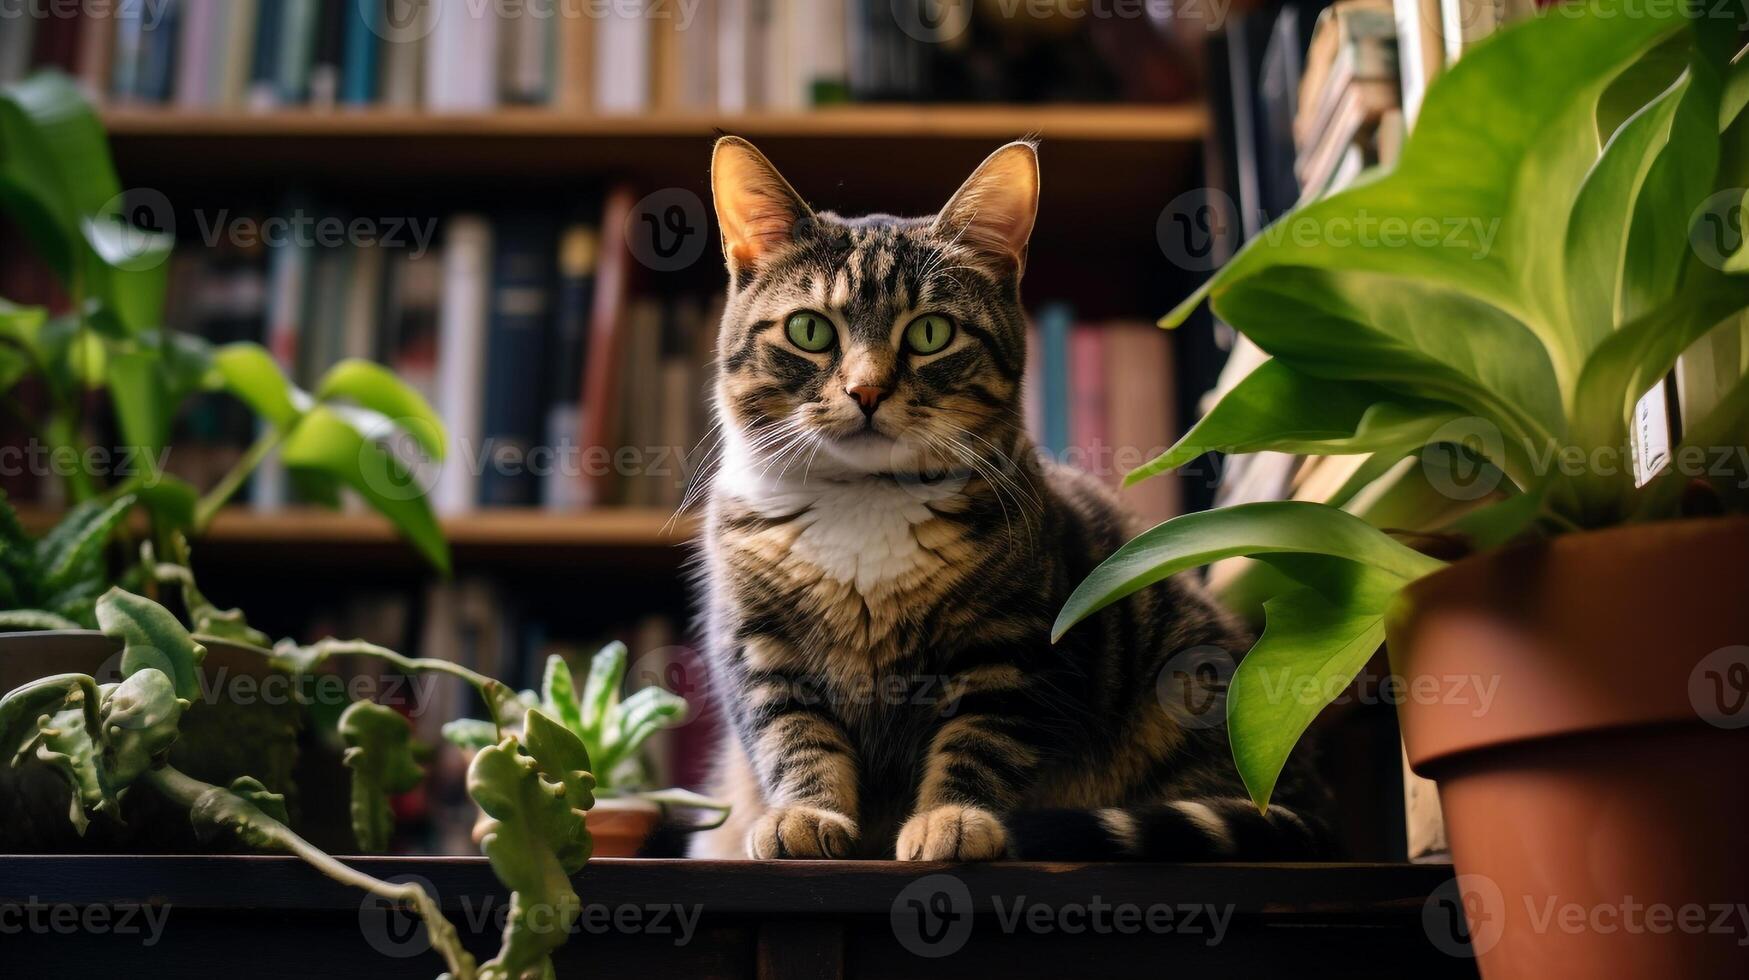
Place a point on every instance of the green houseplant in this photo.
(1500, 301)
(59, 186)
(613, 732)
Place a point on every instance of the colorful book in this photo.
(467, 270)
(288, 273)
(360, 84)
(1054, 322)
(299, 22)
(525, 63)
(1088, 434)
(461, 59)
(579, 248)
(1141, 390)
(231, 73)
(196, 45)
(517, 349)
(264, 56)
(622, 58)
(601, 371)
(329, 50)
(574, 70)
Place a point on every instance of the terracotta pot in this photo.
(1595, 795)
(620, 826)
(246, 724)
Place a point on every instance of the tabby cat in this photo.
(885, 553)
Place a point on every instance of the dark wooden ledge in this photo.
(780, 919)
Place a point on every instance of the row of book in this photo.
(580, 55)
(558, 388)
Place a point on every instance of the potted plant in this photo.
(1496, 306)
(613, 732)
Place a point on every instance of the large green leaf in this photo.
(1679, 179)
(249, 372)
(1312, 646)
(1489, 174)
(642, 715)
(73, 549)
(375, 387)
(1245, 530)
(601, 692)
(1421, 341)
(1278, 408)
(1627, 364)
(152, 639)
(329, 441)
(1597, 236)
(558, 694)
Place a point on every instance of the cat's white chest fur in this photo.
(861, 532)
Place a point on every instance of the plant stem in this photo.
(243, 818)
(227, 488)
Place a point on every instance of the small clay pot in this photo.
(1595, 796)
(620, 825)
(617, 825)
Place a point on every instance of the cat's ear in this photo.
(757, 210)
(994, 210)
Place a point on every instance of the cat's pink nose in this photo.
(868, 396)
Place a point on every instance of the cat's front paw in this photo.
(953, 833)
(801, 832)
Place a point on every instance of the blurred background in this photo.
(507, 203)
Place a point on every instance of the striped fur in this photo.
(879, 588)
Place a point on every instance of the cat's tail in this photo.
(1210, 829)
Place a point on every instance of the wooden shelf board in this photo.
(1173, 122)
(510, 530)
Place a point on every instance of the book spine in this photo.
(96, 52)
(364, 24)
(195, 51)
(461, 350)
(329, 50)
(17, 44)
(1054, 323)
(232, 81)
(516, 352)
(622, 59)
(158, 54)
(1087, 422)
(462, 58)
(264, 57)
(573, 300)
(299, 22)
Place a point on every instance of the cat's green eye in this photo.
(928, 334)
(810, 331)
